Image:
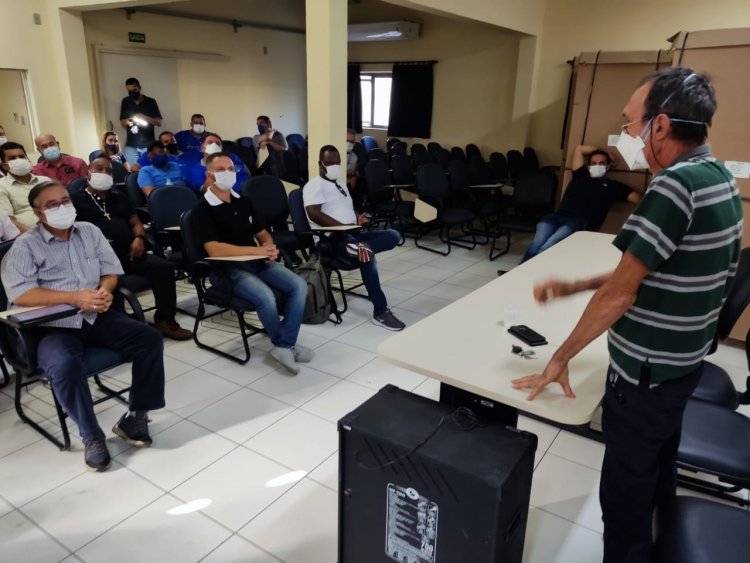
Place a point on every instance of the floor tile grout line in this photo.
(45, 532)
(235, 534)
(567, 520)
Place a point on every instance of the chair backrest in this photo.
(457, 153)
(433, 147)
(228, 146)
(378, 176)
(534, 192)
(401, 170)
(738, 297)
(391, 142)
(295, 139)
(4, 248)
(302, 156)
(377, 154)
(246, 142)
(397, 149)
(119, 173)
(191, 250)
(432, 184)
(245, 154)
(480, 172)
(420, 158)
(499, 166)
(168, 203)
(472, 150)
(134, 191)
(8, 340)
(515, 163)
(269, 200)
(299, 219)
(443, 157)
(417, 147)
(76, 185)
(369, 142)
(93, 155)
(292, 172)
(530, 159)
(460, 177)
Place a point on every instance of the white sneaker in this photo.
(285, 356)
(302, 354)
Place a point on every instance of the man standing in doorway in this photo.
(139, 114)
(680, 249)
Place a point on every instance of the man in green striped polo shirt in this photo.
(661, 304)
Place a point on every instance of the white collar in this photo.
(213, 200)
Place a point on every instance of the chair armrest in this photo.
(27, 317)
(132, 300)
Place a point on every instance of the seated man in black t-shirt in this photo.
(585, 203)
(225, 225)
(115, 216)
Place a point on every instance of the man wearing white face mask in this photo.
(194, 165)
(585, 203)
(115, 216)
(660, 306)
(16, 185)
(225, 225)
(57, 165)
(191, 139)
(329, 204)
(62, 261)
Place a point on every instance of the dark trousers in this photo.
(60, 355)
(378, 241)
(160, 275)
(641, 427)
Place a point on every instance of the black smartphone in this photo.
(530, 337)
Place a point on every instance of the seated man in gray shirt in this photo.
(61, 261)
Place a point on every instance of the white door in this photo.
(14, 109)
(158, 78)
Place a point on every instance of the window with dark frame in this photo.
(376, 99)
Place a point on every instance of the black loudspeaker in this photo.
(426, 482)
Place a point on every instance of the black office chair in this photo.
(515, 164)
(246, 142)
(457, 153)
(530, 160)
(434, 148)
(271, 203)
(443, 158)
(387, 207)
(302, 161)
(137, 198)
(420, 158)
(498, 167)
(392, 142)
(401, 170)
(331, 262)
(76, 185)
(295, 139)
(433, 189)
(533, 197)
(219, 297)
(473, 151)
(369, 142)
(480, 171)
(18, 346)
(377, 154)
(166, 205)
(417, 147)
(696, 530)
(245, 153)
(481, 202)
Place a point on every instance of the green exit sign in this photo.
(134, 37)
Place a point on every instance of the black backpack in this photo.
(320, 303)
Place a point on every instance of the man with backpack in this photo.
(225, 226)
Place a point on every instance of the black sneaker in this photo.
(96, 454)
(388, 320)
(133, 430)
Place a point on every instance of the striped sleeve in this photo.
(18, 271)
(654, 230)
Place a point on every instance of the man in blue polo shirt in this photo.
(161, 171)
(194, 172)
(192, 139)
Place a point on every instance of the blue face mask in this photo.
(159, 160)
(261, 129)
(51, 153)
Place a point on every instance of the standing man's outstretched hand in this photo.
(555, 371)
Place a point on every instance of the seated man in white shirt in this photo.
(328, 203)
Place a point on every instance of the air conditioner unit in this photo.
(384, 31)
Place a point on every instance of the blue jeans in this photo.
(378, 241)
(260, 284)
(60, 355)
(132, 154)
(552, 229)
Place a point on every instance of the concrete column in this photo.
(326, 76)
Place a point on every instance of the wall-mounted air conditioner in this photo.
(384, 31)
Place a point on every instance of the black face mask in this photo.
(112, 148)
(134, 94)
(172, 148)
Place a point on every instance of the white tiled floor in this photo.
(258, 448)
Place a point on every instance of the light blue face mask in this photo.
(51, 153)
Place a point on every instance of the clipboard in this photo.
(262, 156)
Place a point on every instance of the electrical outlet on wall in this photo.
(37, 19)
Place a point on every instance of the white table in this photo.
(465, 345)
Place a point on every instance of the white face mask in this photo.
(597, 170)
(20, 166)
(212, 148)
(101, 181)
(3, 139)
(631, 149)
(333, 172)
(225, 179)
(198, 128)
(61, 218)
(349, 146)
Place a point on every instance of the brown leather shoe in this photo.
(170, 329)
